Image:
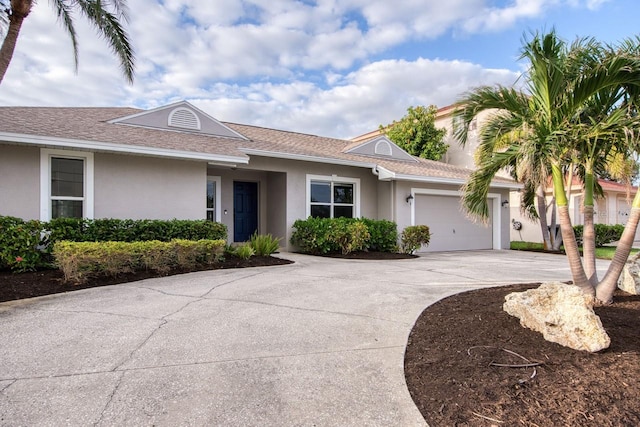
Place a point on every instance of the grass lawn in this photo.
(604, 252)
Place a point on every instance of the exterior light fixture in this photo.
(505, 203)
(409, 198)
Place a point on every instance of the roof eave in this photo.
(42, 141)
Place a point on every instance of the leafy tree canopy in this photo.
(417, 134)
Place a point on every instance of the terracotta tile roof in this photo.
(91, 124)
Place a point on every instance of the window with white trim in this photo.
(213, 198)
(332, 197)
(66, 180)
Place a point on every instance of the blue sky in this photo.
(328, 67)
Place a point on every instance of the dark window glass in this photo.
(67, 177)
(343, 211)
(320, 211)
(66, 209)
(320, 192)
(343, 193)
(210, 216)
(211, 194)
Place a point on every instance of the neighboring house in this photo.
(611, 208)
(178, 162)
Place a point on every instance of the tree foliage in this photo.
(577, 114)
(417, 134)
(105, 16)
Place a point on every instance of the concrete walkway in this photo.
(316, 343)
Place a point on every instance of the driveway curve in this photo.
(316, 343)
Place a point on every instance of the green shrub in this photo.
(383, 235)
(311, 236)
(264, 244)
(21, 243)
(319, 236)
(413, 237)
(81, 260)
(128, 230)
(348, 235)
(604, 233)
(244, 251)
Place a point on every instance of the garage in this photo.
(450, 229)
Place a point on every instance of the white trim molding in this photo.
(493, 199)
(110, 147)
(45, 180)
(334, 179)
(218, 202)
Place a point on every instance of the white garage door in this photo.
(450, 229)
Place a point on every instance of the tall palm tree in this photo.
(104, 15)
(556, 126)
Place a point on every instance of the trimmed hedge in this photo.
(81, 260)
(129, 230)
(26, 245)
(604, 233)
(319, 236)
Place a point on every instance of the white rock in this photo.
(562, 313)
(630, 277)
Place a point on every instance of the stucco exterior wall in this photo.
(403, 209)
(139, 187)
(282, 187)
(20, 181)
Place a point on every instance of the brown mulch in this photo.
(14, 286)
(449, 371)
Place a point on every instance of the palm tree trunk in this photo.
(589, 246)
(606, 288)
(589, 234)
(19, 10)
(542, 216)
(573, 254)
(568, 235)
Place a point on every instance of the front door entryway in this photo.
(245, 210)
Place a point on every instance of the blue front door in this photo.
(245, 210)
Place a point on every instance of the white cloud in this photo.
(375, 94)
(312, 67)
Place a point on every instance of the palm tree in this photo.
(557, 126)
(106, 21)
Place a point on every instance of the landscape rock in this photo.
(562, 313)
(630, 277)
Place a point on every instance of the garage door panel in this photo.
(450, 229)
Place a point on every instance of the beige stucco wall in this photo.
(20, 181)
(403, 209)
(282, 191)
(139, 187)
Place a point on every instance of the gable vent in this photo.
(383, 148)
(184, 118)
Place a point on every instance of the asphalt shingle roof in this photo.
(92, 125)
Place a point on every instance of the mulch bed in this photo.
(453, 343)
(14, 286)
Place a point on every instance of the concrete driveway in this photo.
(316, 343)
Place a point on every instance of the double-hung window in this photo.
(66, 180)
(332, 197)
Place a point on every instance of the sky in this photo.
(336, 68)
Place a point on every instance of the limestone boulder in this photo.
(630, 277)
(562, 313)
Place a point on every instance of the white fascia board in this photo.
(45, 141)
(385, 174)
(454, 181)
(306, 158)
